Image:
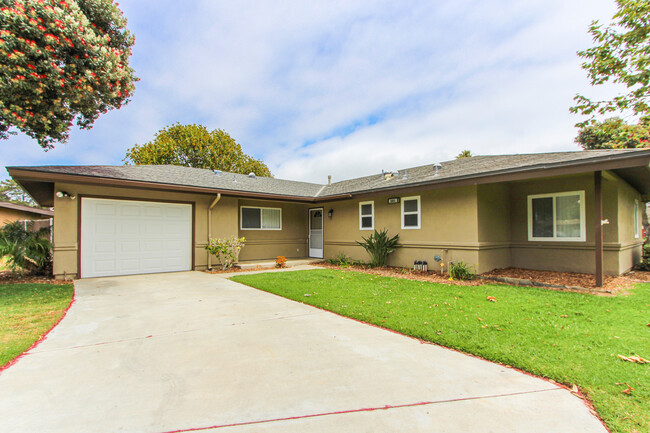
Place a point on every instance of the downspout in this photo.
(214, 202)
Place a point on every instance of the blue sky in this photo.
(347, 88)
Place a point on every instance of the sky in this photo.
(347, 88)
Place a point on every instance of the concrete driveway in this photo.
(195, 352)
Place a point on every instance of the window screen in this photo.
(557, 216)
(250, 218)
(411, 213)
(366, 215)
(270, 218)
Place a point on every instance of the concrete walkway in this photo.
(194, 352)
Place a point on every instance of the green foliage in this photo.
(12, 192)
(621, 56)
(226, 250)
(645, 260)
(379, 246)
(460, 271)
(27, 250)
(615, 133)
(571, 338)
(464, 154)
(62, 60)
(342, 259)
(195, 146)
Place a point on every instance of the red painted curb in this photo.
(42, 337)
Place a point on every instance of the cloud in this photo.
(347, 88)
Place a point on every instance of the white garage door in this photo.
(125, 237)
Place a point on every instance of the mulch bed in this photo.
(612, 285)
(9, 278)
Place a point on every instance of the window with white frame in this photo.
(367, 215)
(557, 217)
(411, 212)
(260, 218)
(637, 232)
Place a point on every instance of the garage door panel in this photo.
(132, 237)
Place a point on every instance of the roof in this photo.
(29, 209)
(631, 164)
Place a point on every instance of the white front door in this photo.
(125, 237)
(316, 233)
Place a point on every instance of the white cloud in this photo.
(348, 88)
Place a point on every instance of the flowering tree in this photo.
(61, 61)
(615, 133)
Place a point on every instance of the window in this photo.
(636, 219)
(367, 215)
(411, 212)
(261, 218)
(557, 217)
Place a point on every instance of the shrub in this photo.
(379, 246)
(26, 250)
(226, 250)
(280, 262)
(344, 260)
(460, 271)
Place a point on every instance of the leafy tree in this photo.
(195, 146)
(464, 154)
(62, 60)
(615, 133)
(621, 55)
(12, 192)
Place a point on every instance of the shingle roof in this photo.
(23, 208)
(474, 167)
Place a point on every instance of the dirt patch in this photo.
(614, 285)
(404, 273)
(10, 278)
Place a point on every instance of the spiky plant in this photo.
(26, 250)
(379, 245)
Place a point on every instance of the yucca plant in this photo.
(379, 246)
(25, 249)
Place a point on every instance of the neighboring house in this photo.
(10, 212)
(536, 211)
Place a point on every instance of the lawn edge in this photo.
(42, 337)
(568, 387)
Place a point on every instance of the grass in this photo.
(571, 338)
(27, 311)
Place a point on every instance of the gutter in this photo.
(214, 202)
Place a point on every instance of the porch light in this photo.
(330, 213)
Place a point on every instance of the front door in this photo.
(316, 233)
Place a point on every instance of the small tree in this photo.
(61, 61)
(226, 250)
(464, 154)
(615, 133)
(379, 246)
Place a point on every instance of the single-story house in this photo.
(11, 212)
(567, 211)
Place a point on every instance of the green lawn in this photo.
(568, 337)
(27, 311)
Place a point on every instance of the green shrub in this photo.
(460, 271)
(344, 260)
(226, 250)
(379, 246)
(25, 249)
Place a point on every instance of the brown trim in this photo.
(80, 197)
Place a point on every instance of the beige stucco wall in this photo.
(11, 215)
(619, 250)
(448, 227)
(290, 242)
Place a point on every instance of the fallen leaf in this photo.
(636, 358)
(479, 319)
(627, 390)
(491, 299)
(574, 389)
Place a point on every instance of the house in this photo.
(10, 212)
(536, 211)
